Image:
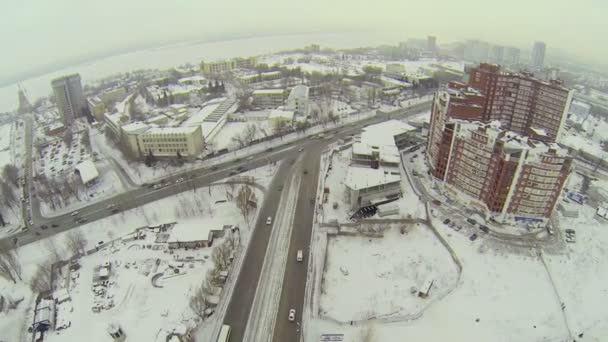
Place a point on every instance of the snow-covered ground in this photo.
(142, 307)
(58, 159)
(401, 263)
(231, 129)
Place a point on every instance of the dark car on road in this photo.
(473, 237)
(446, 221)
(471, 221)
(44, 227)
(484, 229)
(54, 225)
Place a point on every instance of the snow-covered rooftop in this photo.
(281, 114)
(268, 91)
(168, 130)
(135, 127)
(188, 231)
(299, 91)
(364, 177)
(87, 171)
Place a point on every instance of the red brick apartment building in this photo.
(493, 145)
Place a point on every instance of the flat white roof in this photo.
(189, 231)
(279, 113)
(135, 127)
(169, 130)
(87, 171)
(364, 177)
(268, 91)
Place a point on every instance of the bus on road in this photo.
(224, 334)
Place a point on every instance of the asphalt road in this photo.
(294, 281)
(239, 307)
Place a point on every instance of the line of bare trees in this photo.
(222, 257)
(57, 193)
(246, 202)
(245, 137)
(10, 267)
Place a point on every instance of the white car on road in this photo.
(292, 315)
(269, 220)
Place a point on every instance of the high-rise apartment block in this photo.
(522, 103)
(537, 60)
(492, 143)
(69, 97)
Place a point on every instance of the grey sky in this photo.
(39, 32)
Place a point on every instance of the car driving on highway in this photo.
(269, 221)
(292, 315)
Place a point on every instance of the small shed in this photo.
(425, 289)
(191, 235)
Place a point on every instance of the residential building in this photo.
(520, 102)
(511, 56)
(476, 51)
(219, 67)
(96, 107)
(298, 100)
(537, 59)
(431, 43)
(110, 96)
(268, 98)
(497, 54)
(69, 97)
(280, 118)
(504, 175)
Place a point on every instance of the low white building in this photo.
(365, 185)
(191, 235)
(279, 118)
(268, 98)
(87, 171)
(298, 100)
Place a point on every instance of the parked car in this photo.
(446, 221)
(292, 315)
(54, 225)
(471, 221)
(74, 213)
(473, 237)
(179, 180)
(484, 229)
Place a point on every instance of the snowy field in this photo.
(140, 307)
(389, 267)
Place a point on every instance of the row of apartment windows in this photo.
(540, 179)
(540, 172)
(165, 145)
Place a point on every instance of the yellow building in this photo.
(96, 107)
(141, 139)
(219, 67)
(268, 98)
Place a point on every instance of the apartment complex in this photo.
(522, 103)
(508, 174)
(219, 67)
(70, 97)
(537, 60)
(509, 177)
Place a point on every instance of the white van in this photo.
(300, 255)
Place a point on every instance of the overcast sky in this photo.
(42, 32)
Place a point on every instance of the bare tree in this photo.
(198, 302)
(8, 195)
(41, 280)
(221, 257)
(10, 268)
(76, 242)
(68, 137)
(11, 173)
(54, 254)
(246, 201)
